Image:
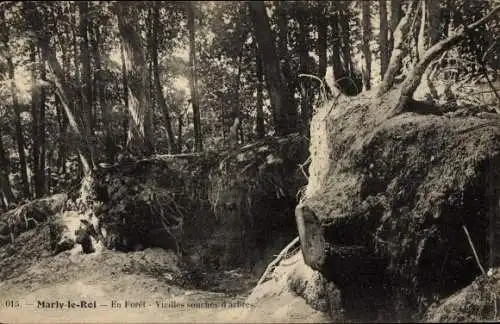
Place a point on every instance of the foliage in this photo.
(226, 66)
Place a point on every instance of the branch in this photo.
(277, 260)
(473, 249)
(413, 80)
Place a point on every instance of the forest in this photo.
(361, 127)
(85, 83)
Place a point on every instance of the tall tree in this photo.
(434, 10)
(40, 185)
(322, 42)
(157, 80)
(236, 127)
(38, 121)
(383, 37)
(86, 89)
(283, 53)
(260, 128)
(421, 31)
(282, 100)
(109, 142)
(192, 80)
(77, 101)
(34, 114)
(62, 120)
(307, 85)
(63, 91)
(366, 24)
(342, 62)
(140, 136)
(5, 189)
(396, 15)
(7, 53)
(125, 92)
(337, 48)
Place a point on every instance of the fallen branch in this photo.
(412, 82)
(473, 249)
(275, 262)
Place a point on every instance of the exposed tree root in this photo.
(277, 260)
(412, 82)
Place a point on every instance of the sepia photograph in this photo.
(250, 161)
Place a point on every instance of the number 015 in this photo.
(11, 303)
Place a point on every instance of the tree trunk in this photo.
(42, 125)
(17, 109)
(281, 98)
(125, 94)
(236, 130)
(282, 16)
(346, 37)
(86, 89)
(235, 111)
(434, 10)
(64, 92)
(338, 71)
(343, 66)
(383, 37)
(19, 132)
(43, 99)
(6, 192)
(400, 49)
(140, 137)
(306, 83)
(421, 32)
(109, 143)
(148, 118)
(322, 44)
(260, 128)
(35, 132)
(366, 24)
(180, 124)
(290, 80)
(38, 97)
(192, 80)
(396, 15)
(62, 120)
(157, 81)
(412, 81)
(78, 100)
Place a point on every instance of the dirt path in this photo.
(141, 306)
(126, 287)
(150, 280)
(145, 284)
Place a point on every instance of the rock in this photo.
(63, 230)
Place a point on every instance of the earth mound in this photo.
(390, 202)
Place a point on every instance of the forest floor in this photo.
(148, 285)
